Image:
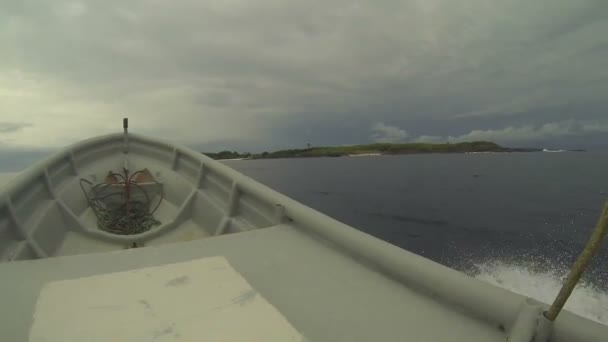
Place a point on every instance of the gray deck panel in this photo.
(326, 295)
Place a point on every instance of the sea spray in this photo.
(543, 284)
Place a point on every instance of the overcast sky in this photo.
(254, 75)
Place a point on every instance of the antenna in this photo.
(125, 126)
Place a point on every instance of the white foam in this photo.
(586, 300)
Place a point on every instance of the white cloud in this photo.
(382, 132)
(527, 132)
(72, 9)
(430, 139)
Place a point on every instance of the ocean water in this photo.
(514, 220)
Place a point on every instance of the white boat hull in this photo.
(330, 280)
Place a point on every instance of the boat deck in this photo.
(323, 293)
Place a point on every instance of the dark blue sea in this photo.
(517, 220)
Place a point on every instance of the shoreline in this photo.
(369, 155)
(381, 149)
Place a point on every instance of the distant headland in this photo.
(376, 149)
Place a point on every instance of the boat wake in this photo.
(543, 284)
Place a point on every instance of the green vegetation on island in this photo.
(375, 149)
(227, 155)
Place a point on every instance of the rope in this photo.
(580, 265)
(127, 218)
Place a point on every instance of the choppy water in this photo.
(514, 220)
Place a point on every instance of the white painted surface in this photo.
(200, 300)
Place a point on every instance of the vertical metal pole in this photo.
(125, 126)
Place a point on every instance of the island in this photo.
(224, 155)
(374, 150)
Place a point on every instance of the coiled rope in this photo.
(123, 217)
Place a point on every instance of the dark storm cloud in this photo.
(271, 73)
